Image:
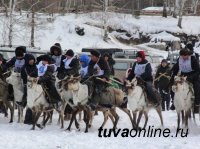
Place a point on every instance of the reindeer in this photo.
(71, 88)
(137, 101)
(38, 103)
(15, 80)
(182, 99)
(3, 98)
(112, 96)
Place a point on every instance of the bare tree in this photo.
(180, 4)
(165, 9)
(5, 5)
(195, 5)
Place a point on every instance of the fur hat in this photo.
(56, 46)
(19, 51)
(46, 58)
(95, 53)
(141, 54)
(164, 61)
(70, 53)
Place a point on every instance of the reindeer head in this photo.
(71, 83)
(178, 80)
(131, 85)
(14, 78)
(31, 82)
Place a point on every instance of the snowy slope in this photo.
(19, 136)
(62, 29)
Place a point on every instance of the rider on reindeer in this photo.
(143, 71)
(188, 65)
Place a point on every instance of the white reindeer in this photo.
(137, 101)
(182, 99)
(36, 100)
(79, 92)
(15, 80)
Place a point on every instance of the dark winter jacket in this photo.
(194, 65)
(103, 66)
(48, 76)
(111, 63)
(48, 83)
(58, 56)
(11, 63)
(2, 70)
(195, 69)
(146, 76)
(74, 70)
(163, 81)
(29, 70)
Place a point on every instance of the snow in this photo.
(62, 29)
(159, 9)
(164, 36)
(19, 136)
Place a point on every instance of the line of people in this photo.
(187, 65)
(46, 67)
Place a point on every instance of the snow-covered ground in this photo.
(19, 136)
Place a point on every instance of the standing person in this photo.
(70, 65)
(111, 62)
(188, 66)
(46, 78)
(56, 54)
(162, 79)
(142, 69)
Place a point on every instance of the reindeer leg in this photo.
(11, 108)
(111, 117)
(105, 114)
(128, 112)
(114, 113)
(34, 120)
(76, 121)
(72, 119)
(88, 119)
(187, 113)
(80, 113)
(18, 121)
(47, 116)
(183, 117)
(146, 119)
(134, 119)
(159, 111)
(51, 117)
(91, 118)
(178, 120)
(61, 115)
(139, 118)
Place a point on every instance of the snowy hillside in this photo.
(62, 29)
(19, 136)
